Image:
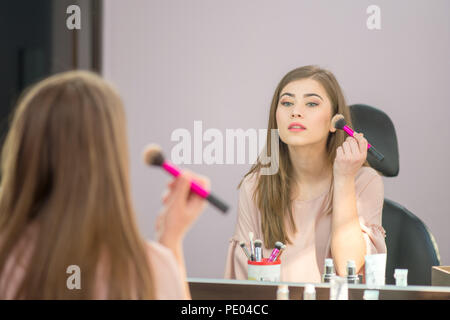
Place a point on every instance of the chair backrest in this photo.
(410, 245)
(379, 130)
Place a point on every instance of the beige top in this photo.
(168, 281)
(303, 261)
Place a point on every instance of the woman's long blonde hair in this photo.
(64, 167)
(273, 193)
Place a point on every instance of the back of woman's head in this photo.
(65, 169)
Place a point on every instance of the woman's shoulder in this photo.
(249, 182)
(167, 276)
(159, 252)
(161, 258)
(367, 173)
(247, 203)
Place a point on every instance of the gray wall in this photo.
(178, 61)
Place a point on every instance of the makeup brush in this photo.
(339, 123)
(258, 250)
(274, 254)
(252, 246)
(283, 247)
(244, 248)
(153, 156)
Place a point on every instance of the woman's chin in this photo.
(296, 142)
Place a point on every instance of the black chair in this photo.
(410, 245)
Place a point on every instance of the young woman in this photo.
(324, 201)
(65, 201)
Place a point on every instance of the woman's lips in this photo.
(296, 129)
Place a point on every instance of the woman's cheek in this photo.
(278, 117)
(280, 124)
(283, 135)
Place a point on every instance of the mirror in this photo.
(198, 77)
(194, 74)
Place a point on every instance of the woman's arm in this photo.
(177, 249)
(236, 260)
(347, 241)
(182, 208)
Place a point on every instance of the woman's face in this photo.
(303, 113)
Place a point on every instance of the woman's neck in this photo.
(310, 164)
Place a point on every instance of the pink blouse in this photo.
(168, 281)
(303, 261)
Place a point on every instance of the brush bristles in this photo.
(336, 118)
(153, 155)
(258, 243)
(340, 124)
(242, 243)
(278, 245)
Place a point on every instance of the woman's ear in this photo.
(332, 129)
(333, 121)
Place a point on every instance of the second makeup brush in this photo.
(153, 156)
(339, 123)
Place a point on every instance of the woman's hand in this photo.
(347, 240)
(350, 157)
(181, 208)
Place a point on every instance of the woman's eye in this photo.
(313, 104)
(286, 104)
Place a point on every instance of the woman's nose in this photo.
(296, 113)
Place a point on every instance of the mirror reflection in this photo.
(245, 142)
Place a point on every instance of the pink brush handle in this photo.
(350, 133)
(273, 255)
(170, 168)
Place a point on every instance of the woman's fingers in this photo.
(339, 152)
(182, 185)
(354, 147)
(362, 143)
(166, 196)
(347, 148)
(204, 182)
(181, 207)
(351, 155)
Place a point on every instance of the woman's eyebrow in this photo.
(288, 94)
(312, 94)
(305, 95)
